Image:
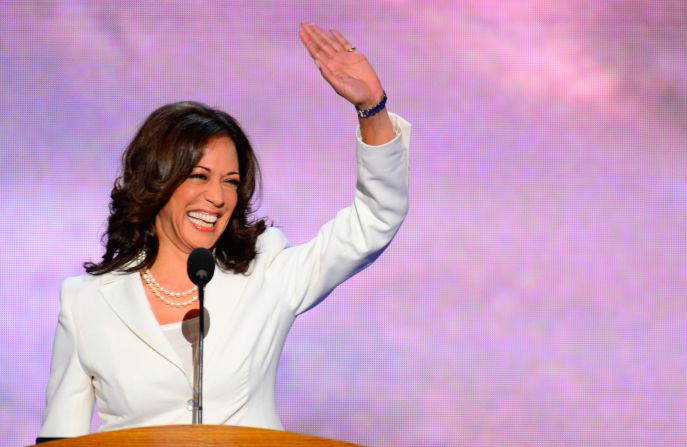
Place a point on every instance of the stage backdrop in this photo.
(537, 292)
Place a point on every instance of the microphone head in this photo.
(200, 266)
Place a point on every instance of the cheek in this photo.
(232, 198)
(164, 216)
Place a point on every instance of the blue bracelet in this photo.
(366, 113)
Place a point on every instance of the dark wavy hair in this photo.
(161, 156)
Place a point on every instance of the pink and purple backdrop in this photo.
(537, 293)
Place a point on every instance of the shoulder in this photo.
(74, 284)
(73, 292)
(269, 244)
(272, 239)
(85, 285)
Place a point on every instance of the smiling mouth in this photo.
(202, 220)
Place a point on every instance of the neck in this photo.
(170, 268)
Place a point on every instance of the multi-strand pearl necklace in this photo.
(163, 293)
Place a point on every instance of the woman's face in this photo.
(199, 209)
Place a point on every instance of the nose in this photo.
(214, 194)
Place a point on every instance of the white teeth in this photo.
(203, 217)
(200, 223)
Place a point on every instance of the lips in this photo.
(203, 220)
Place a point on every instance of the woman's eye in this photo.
(234, 182)
(198, 176)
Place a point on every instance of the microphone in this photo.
(200, 267)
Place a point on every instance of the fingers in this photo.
(314, 48)
(341, 39)
(321, 43)
(327, 39)
(307, 40)
(319, 56)
(308, 43)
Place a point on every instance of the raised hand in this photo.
(346, 70)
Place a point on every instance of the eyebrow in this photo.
(210, 170)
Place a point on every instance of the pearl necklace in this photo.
(160, 291)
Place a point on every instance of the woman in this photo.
(188, 179)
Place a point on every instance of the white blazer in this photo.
(109, 347)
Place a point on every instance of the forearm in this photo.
(377, 129)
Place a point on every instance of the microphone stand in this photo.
(198, 398)
(200, 267)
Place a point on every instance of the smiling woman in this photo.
(124, 340)
(183, 149)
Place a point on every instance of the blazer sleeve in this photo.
(70, 393)
(358, 234)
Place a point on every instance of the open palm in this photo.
(346, 70)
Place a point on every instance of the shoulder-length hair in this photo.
(161, 156)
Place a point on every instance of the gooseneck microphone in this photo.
(200, 267)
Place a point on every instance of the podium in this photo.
(196, 435)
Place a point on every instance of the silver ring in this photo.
(351, 50)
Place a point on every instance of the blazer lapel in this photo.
(125, 295)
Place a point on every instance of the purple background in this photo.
(536, 294)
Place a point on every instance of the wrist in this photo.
(374, 99)
(368, 110)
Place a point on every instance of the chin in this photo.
(201, 243)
